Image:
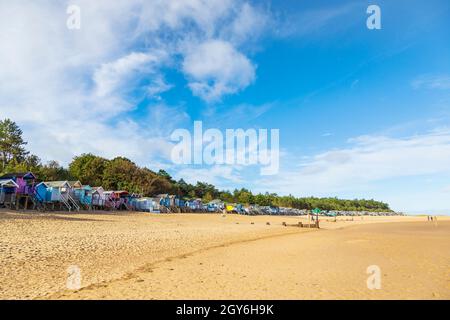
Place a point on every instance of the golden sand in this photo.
(204, 256)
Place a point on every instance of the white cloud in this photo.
(72, 90)
(369, 160)
(112, 76)
(158, 86)
(247, 25)
(216, 68)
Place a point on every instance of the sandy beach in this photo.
(205, 256)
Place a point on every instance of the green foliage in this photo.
(165, 175)
(53, 171)
(202, 188)
(11, 144)
(226, 196)
(208, 197)
(88, 169)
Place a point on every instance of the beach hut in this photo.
(122, 198)
(60, 192)
(41, 192)
(83, 194)
(75, 184)
(168, 200)
(145, 204)
(87, 198)
(195, 205)
(179, 202)
(75, 189)
(163, 200)
(98, 197)
(215, 206)
(25, 181)
(273, 210)
(169, 203)
(229, 207)
(132, 200)
(110, 200)
(8, 190)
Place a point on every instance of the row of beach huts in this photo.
(25, 191)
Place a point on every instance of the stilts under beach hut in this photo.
(26, 183)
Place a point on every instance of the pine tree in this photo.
(11, 144)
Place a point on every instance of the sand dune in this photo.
(144, 256)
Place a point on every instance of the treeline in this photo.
(122, 174)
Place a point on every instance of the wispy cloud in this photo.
(441, 82)
(315, 20)
(122, 73)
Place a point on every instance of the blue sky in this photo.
(361, 113)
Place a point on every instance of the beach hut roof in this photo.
(122, 193)
(75, 184)
(145, 199)
(14, 175)
(8, 183)
(57, 184)
(42, 183)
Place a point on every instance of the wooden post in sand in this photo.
(309, 220)
(317, 211)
